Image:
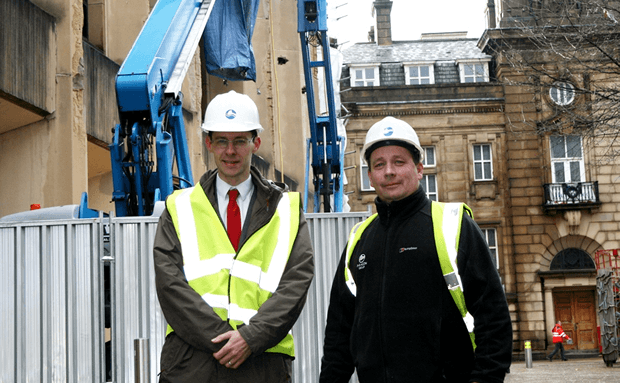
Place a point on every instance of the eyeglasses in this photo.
(238, 143)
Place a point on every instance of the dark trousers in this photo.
(558, 347)
(181, 363)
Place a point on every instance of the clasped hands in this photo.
(235, 352)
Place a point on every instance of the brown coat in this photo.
(187, 352)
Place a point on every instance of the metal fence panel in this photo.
(50, 292)
(329, 234)
(135, 307)
(53, 297)
(8, 308)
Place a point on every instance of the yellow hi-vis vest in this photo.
(234, 285)
(447, 218)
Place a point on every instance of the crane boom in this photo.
(324, 142)
(150, 107)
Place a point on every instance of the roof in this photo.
(417, 50)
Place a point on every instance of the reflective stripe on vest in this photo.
(234, 285)
(447, 218)
(354, 236)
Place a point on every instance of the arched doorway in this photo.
(570, 285)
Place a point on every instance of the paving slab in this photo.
(587, 370)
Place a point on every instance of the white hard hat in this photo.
(231, 112)
(391, 131)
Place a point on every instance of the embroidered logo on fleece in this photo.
(361, 262)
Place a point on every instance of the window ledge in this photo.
(484, 189)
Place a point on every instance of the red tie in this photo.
(233, 218)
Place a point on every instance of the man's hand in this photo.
(235, 352)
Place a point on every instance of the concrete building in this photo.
(542, 222)
(58, 102)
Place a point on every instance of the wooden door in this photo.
(576, 310)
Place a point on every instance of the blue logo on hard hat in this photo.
(388, 131)
(230, 114)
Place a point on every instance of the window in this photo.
(474, 71)
(429, 156)
(562, 93)
(419, 74)
(364, 176)
(365, 76)
(429, 183)
(483, 165)
(491, 237)
(572, 259)
(567, 159)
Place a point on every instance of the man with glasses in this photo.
(233, 262)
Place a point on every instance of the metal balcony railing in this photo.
(580, 195)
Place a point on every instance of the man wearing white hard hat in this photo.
(233, 262)
(416, 296)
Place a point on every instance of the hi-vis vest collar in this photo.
(447, 218)
(234, 285)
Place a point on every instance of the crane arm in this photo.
(325, 144)
(150, 107)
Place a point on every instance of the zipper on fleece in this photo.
(387, 240)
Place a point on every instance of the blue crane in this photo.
(150, 103)
(150, 107)
(149, 153)
(325, 144)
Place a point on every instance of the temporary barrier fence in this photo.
(78, 292)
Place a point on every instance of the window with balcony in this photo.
(483, 163)
(566, 159)
(364, 76)
(474, 71)
(418, 74)
(569, 189)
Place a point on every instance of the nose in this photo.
(230, 147)
(389, 169)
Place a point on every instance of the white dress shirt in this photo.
(246, 188)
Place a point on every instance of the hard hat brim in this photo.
(231, 127)
(405, 144)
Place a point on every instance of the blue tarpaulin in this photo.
(228, 39)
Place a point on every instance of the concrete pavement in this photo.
(587, 370)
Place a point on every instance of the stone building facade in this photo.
(58, 102)
(544, 212)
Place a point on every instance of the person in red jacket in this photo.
(558, 335)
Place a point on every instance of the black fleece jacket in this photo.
(403, 325)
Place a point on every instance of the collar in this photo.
(223, 187)
(403, 207)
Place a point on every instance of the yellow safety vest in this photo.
(447, 218)
(234, 285)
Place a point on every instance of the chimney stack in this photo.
(490, 11)
(383, 32)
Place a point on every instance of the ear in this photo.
(420, 169)
(208, 143)
(256, 144)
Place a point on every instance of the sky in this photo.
(350, 20)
